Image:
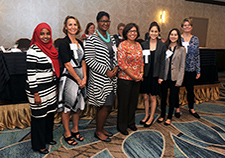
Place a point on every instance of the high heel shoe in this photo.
(167, 124)
(194, 114)
(104, 140)
(133, 128)
(177, 114)
(109, 134)
(146, 125)
(52, 142)
(45, 151)
(143, 122)
(160, 121)
(77, 136)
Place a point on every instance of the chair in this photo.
(57, 42)
(23, 43)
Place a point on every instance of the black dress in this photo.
(150, 84)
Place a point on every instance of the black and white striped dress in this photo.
(97, 58)
(40, 79)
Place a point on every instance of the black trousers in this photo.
(173, 98)
(41, 131)
(127, 93)
(189, 80)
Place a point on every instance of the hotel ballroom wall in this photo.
(18, 18)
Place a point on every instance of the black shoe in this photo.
(143, 122)
(109, 134)
(70, 140)
(167, 124)
(104, 140)
(133, 128)
(146, 125)
(43, 151)
(177, 114)
(123, 132)
(159, 120)
(52, 142)
(194, 114)
(77, 136)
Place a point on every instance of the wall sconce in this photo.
(162, 16)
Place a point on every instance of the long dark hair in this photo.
(154, 24)
(87, 27)
(179, 43)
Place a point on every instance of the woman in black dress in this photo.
(154, 56)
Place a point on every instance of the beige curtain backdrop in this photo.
(18, 115)
(20, 17)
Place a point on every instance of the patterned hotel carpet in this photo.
(186, 137)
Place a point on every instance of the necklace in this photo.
(104, 39)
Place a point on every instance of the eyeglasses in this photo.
(132, 31)
(103, 21)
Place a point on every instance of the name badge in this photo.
(146, 53)
(73, 47)
(168, 53)
(115, 50)
(186, 44)
(2, 48)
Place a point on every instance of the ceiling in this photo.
(216, 2)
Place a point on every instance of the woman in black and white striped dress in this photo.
(42, 72)
(100, 56)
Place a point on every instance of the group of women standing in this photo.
(123, 71)
(43, 69)
(169, 65)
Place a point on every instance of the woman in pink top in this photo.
(130, 61)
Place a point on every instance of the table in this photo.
(209, 67)
(14, 87)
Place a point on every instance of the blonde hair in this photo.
(77, 21)
(187, 20)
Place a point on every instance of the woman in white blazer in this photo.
(173, 73)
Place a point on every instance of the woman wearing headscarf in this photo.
(42, 72)
(100, 56)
